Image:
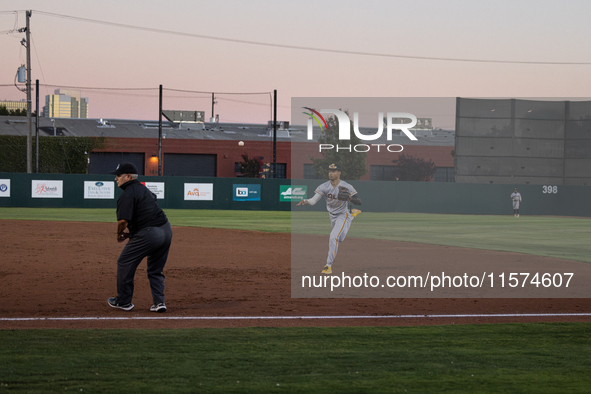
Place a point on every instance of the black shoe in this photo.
(114, 303)
(158, 308)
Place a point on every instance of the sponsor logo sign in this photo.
(199, 191)
(99, 190)
(4, 187)
(288, 193)
(247, 193)
(156, 187)
(47, 189)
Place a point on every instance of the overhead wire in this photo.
(304, 48)
(39, 62)
(15, 28)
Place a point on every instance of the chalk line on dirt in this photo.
(486, 315)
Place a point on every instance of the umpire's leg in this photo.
(131, 256)
(161, 239)
(150, 241)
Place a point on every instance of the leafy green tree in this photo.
(12, 112)
(415, 169)
(251, 167)
(353, 163)
(61, 155)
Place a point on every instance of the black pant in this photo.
(153, 242)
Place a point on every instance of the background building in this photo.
(65, 104)
(12, 105)
(213, 150)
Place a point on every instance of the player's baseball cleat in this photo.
(355, 212)
(114, 303)
(158, 308)
(327, 270)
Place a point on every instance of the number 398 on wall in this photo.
(549, 189)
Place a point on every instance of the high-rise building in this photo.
(65, 104)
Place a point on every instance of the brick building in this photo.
(212, 149)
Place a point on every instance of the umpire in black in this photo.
(149, 234)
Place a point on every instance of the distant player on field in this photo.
(338, 194)
(516, 198)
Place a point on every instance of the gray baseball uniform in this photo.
(516, 197)
(340, 217)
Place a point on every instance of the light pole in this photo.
(29, 123)
(160, 131)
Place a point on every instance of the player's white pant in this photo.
(340, 228)
(515, 204)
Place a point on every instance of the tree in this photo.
(62, 155)
(12, 112)
(353, 163)
(415, 169)
(251, 167)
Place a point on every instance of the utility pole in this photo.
(160, 134)
(274, 134)
(37, 126)
(212, 105)
(29, 104)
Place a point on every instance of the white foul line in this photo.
(290, 317)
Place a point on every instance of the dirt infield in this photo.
(68, 270)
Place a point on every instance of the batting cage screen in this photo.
(514, 141)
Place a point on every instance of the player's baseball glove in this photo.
(344, 194)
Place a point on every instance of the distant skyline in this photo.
(71, 53)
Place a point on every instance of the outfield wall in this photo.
(100, 191)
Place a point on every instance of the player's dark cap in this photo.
(335, 166)
(125, 168)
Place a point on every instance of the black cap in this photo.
(335, 166)
(125, 168)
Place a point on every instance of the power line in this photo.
(15, 29)
(244, 102)
(144, 89)
(304, 48)
(197, 91)
(38, 60)
(95, 88)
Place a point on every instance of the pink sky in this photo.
(74, 53)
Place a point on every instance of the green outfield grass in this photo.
(470, 358)
(560, 237)
(241, 220)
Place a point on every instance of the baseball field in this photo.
(232, 325)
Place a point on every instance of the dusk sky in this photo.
(74, 53)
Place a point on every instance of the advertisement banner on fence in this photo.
(99, 190)
(247, 193)
(4, 187)
(47, 189)
(288, 193)
(156, 187)
(199, 191)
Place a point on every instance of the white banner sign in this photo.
(157, 188)
(99, 190)
(47, 189)
(4, 187)
(199, 191)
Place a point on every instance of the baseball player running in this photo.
(338, 194)
(516, 198)
(149, 234)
